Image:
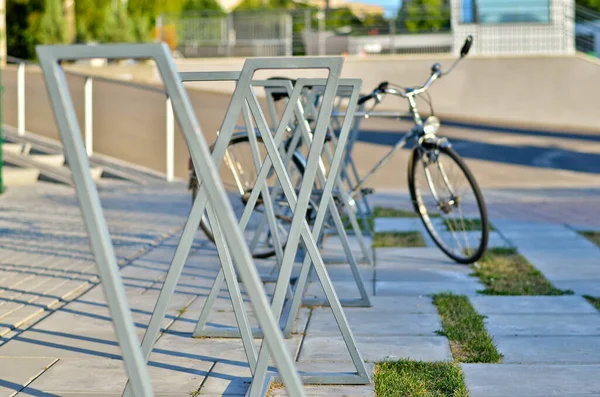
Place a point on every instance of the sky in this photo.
(384, 3)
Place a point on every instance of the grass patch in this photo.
(593, 300)
(398, 239)
(361, 225)
(386, 212)
(380, 212)
(464, 328)
(594, 237)
(419, 379)
(466, 225)
(504, 272)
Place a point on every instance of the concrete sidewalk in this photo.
(57, 338)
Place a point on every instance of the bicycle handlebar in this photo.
(436, 73)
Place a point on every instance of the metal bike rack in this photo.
(310, 109)
(300, 230)
(219, 208)
(291, 310)
(349, 169)
(352, 88)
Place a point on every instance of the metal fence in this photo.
(88, 109)
(499, 27)
(237, 34)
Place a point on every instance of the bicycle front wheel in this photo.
(448, 200)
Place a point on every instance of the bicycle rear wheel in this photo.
(448, 200)
(238, 173)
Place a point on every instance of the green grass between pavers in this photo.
(466, 225)
(504, 272)
(380, 212)
(419, 379)
(348, 225)
(385, 212)
(398, 239)
(465, 330)
(594, 237)
(593, 300)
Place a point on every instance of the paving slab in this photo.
(543, 324)
(383, 225)
(404, 304)
(227, 379)
(580, 286)
(549, 349)
(344, 290)
(17, 372)
(414, 256)
(307, 366)
(342, 272)
(229, 350)
(333, 244)
(522, 380)
(374, 322)
(566, 304)
(420, 288)
(325, 390)
(377, 348)
(175, 375)
(392, 271)
(390, 224)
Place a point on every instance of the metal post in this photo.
(322, 46)
(307, 31)
(159, 28)
(89, 111)
(392, 36)
(21, 98)
(230, 35)
(170, 142)
(289, 35)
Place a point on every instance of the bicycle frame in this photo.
(416, 132)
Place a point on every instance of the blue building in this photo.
(515, 26)
(506, 11)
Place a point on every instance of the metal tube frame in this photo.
(98, 232)
(300, 228)
(353, 87)
(311, 108)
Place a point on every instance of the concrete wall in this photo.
(129, 123)
(554, 92)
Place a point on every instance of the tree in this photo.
(252, 5)
(90, 16)
(593, 5)
(53, 24)
(419, 16)
(142, 31)
(205, 6)
(117, 26)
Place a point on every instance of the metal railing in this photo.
(88, 129)
(209, 34)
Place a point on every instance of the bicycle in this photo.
(442, 215)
